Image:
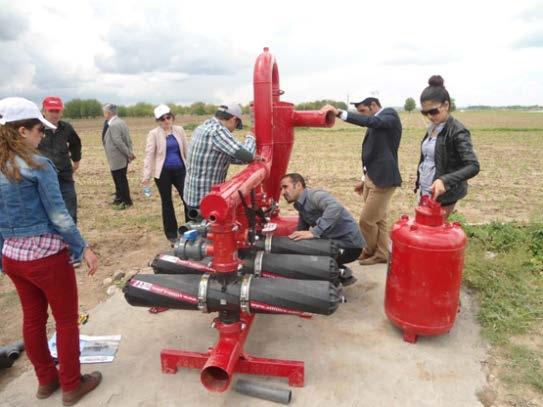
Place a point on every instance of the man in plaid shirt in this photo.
(212, 149)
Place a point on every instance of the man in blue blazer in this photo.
(381, 174)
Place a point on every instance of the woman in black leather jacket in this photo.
(447, 158)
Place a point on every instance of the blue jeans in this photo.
(67, 189)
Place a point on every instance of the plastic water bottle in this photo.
(147, 191)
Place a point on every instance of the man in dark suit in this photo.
(381, 174)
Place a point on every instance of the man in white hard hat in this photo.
(212, 149)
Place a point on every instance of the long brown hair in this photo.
(12, 145)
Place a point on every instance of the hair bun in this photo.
(436, 80)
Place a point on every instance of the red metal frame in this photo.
(227, 357)
(274, 123)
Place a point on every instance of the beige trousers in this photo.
(373, 219)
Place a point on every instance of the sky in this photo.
(162, 51)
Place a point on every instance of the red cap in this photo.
(52, 103)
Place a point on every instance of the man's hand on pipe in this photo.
(329, 108)
(301, 235)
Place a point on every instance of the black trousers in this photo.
(122, 190)
(348, 255)
(67, 189)
(169, 178)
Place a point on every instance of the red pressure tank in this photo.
(424, 272)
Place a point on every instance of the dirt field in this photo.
(509, 146)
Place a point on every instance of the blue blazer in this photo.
(380, 146)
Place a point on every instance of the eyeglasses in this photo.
(430, 112)
(166, 117)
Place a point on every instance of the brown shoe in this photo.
(88, 383)
(364, 255)
(372, 260)
(45, 390)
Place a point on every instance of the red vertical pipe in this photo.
(217, 372)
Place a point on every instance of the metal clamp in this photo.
(268, 244)
(202, 293)
(258, 263)
(244, 293)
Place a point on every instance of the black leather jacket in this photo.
(62, 146)
(455, 161)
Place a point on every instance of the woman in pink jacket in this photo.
(165, 158)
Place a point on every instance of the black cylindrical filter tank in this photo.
(209, 293)
(284, 244)
(169, 263)
(296, 266)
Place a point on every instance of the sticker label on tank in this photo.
(187, 263)
(167, 292)
(169, 258)
(269, 227)
(260, 306)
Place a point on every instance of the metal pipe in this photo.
(262, 391)
(223, 198)
(217, 373)
(313, 118)
(11, 352)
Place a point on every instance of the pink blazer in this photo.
(155, 150)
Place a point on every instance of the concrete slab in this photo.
(353, 358)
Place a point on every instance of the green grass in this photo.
(524, 366)
(504, 265)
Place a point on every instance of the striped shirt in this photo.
(30, 248)
(212, 149)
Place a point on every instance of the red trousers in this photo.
(49, 281)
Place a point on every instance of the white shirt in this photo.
(110, 120)
(343, 114)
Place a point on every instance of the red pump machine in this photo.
(217, 286)
(424, 272)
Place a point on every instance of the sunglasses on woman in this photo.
(430, 112)
(165, 117)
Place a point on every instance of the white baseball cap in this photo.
(235, 110)
(161, 110)
(15, 108)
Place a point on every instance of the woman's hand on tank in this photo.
(91, 260)
(438, 188)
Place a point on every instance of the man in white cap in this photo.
(212, 149)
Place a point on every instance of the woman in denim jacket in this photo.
(39, 242)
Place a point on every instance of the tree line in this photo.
(91, 108)
(411, 105)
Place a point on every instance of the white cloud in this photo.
(125, 52)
